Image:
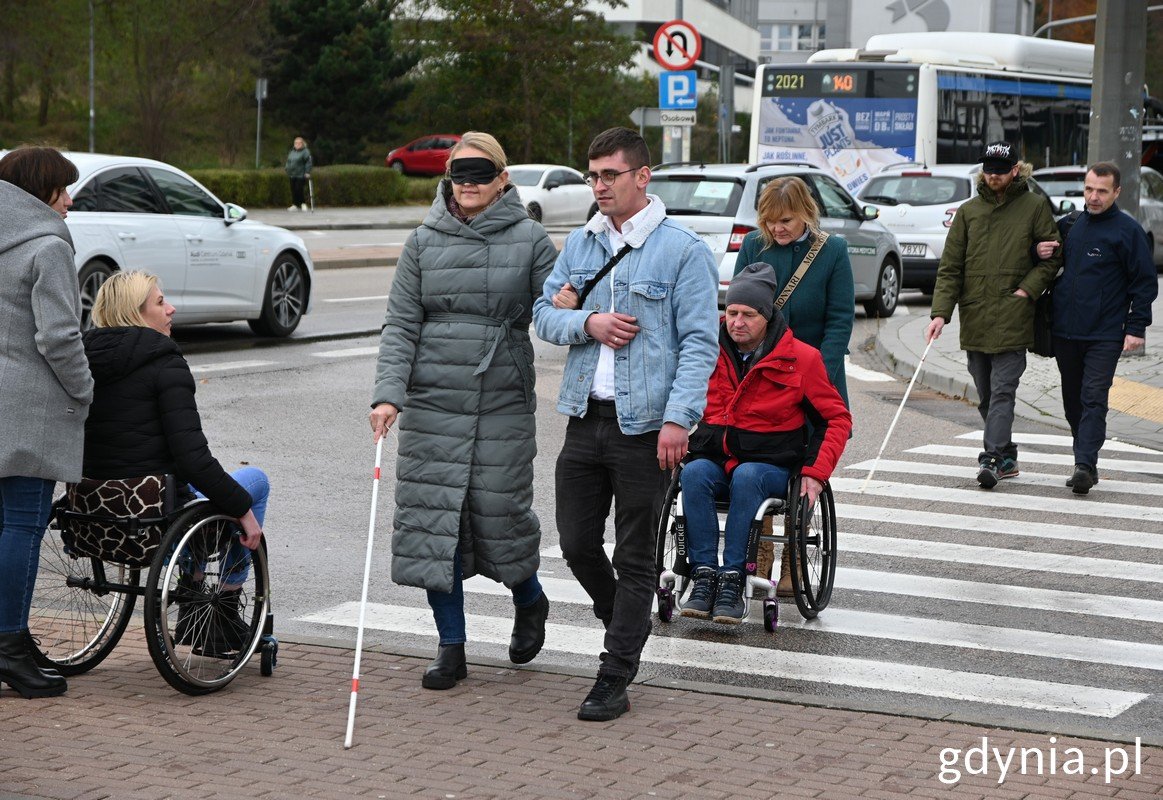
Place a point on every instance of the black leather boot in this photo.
(447, 668)
(529, 631)
(19, 670)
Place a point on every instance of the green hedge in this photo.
(340, 185)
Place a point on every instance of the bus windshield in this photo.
(850, 120)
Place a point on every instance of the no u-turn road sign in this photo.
(677, 45)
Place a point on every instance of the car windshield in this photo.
(697, 194)
(916, 190)
(525, 177)
(1062, 185)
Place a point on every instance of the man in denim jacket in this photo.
(642, 348)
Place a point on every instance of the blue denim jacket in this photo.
(670, 284)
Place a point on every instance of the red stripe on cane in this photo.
(376, 474)
(354, 685)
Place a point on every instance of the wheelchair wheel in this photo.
(666, 556)
(76, 618)
(813, 552)
(206, 601)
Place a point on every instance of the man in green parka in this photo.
(991, 270)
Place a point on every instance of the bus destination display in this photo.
(802, 83)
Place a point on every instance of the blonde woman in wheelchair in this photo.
(144, 421)
(767, 385)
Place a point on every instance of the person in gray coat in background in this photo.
(45, 389)
(456, 366)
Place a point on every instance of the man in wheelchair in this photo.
(771, 409)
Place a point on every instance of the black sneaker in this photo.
(988, 473)
(730, 604)
(226, 633)
(702, 595)
(607, 700)
(1093, 474)
(1084, 477)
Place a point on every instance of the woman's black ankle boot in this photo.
(19, 670)
(447, 668)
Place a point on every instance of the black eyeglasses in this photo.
(606, 176)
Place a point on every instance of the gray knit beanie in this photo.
(755, 286)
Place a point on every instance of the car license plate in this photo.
(912, 250)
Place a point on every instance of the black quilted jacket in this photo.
(144, 420)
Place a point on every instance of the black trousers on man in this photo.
(1088, 369)
(599, 464)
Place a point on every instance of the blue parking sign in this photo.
(677, 90)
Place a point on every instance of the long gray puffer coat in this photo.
(456, 359)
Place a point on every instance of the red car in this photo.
(424, 156)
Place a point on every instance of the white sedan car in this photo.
(553, 194)
(214, 264)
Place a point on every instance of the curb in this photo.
(353, 263)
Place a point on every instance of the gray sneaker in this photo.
(988, 473)
(702, 595)
(730, 603)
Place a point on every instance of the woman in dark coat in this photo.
(45, 388)
(456, 365)
(144, 421)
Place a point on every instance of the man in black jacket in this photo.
(1102, 307)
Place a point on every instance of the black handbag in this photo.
(1043, 324)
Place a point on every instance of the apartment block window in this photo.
(781, 36)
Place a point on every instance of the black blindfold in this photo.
(473, 170)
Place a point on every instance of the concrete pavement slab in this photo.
(505, 732)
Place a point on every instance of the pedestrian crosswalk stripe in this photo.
(1057, 440)
(348, 352)
(1020, 641)
(1000, 557)
(999, 498)
(859, 373)
(999, 594)
(1030, 457)
(908, 629)
(199, 368)
(883, 676)
(911, 585)
(1039, 530)
(1027, 478)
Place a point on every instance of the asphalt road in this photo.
(1026, 607)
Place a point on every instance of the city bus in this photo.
(927, 98)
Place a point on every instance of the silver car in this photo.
(214, 264)
(720, 201)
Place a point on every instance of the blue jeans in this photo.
(704, 482)
(236, 569)
(448, 607)
(25, 504)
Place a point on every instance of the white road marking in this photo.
(1028, 457)
(858, 373)
(1000, 557)
(349, 352)
(999, 594)
(1057, 440)
(355, 299)
(198, 368)
(884, 676)
(999, 499)
(1025, 479)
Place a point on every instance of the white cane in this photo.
(311, 193)
(367, 569)
(897, 416)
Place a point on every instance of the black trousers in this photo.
(298, 187)
(599, 464)
(1088, 369)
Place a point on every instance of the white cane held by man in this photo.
(367, 568)
(897, 416)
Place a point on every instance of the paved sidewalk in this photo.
(1136, 403)
(343, 219)
(121, 732)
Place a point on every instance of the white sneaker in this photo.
(293, 208)
(304, 206)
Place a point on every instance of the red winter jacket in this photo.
(761, 416)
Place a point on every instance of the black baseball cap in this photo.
(999, 157)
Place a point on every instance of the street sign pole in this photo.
(677, 46)
(260, 93)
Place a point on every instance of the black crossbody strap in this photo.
(592, 282)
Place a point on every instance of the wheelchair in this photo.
(207, 603)
(809, 529)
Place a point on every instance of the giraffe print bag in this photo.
(139, 506)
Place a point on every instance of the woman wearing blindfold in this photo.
(456, 368)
